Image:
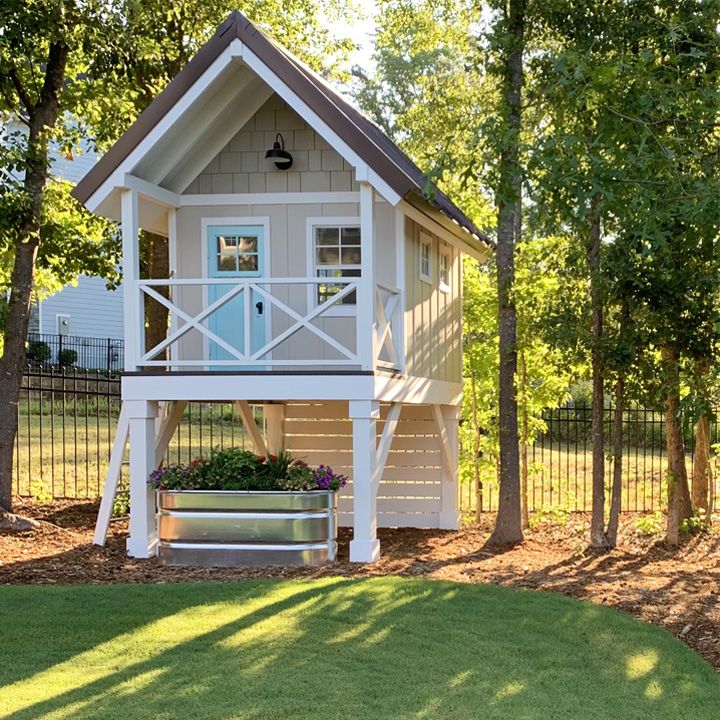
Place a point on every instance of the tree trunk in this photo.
(616, 494)
(679, 505)
(157, 267)
(524, 444)
(508, 525)
(42, 116)
(597, 524)
(702, 471)
(476, 449)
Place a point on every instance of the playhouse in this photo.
(311, 272)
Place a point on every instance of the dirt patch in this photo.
(678, 589)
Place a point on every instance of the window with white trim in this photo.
(425, 268)
(336, 254)
(444, 270)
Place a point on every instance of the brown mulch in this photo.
(678, 589)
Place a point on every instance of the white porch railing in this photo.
(289, 319)
(388, 313)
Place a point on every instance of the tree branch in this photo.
(20, 90)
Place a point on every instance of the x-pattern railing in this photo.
(247, 288)
(387, 309)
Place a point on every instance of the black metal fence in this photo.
(559, 463)
(66, 427)
(67, 419)
(72, 351)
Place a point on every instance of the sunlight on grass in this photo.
(641, 664)
(509, 690)
(386, 648)
(129, 649)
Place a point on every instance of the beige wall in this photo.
(241, 166)
(433, 318)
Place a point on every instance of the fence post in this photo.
(60, 349)
(109, 355)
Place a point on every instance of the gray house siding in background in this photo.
(94, 311)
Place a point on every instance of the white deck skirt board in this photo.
(274, 386)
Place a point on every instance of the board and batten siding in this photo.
(433, 317)
(241, 167)
(409, 494)
(94, 311)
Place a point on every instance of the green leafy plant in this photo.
(650, 524)
(38, 351)
(237, 469)
(67, 357)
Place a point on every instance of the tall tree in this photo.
(510, 39)
(45, 47)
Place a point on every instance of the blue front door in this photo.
(235, 252)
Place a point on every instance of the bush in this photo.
(67, 357)
(236, 469)
(39, 351)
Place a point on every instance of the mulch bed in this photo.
(676, 588)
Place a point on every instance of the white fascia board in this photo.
(172, 116)
(320, 126)
(457, 239)
(276, 386)
(270, 386)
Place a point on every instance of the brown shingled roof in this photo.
(370, 143)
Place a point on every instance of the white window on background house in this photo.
(444, 270)
(336, 254)
(425, 269)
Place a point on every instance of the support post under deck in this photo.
(364, 547)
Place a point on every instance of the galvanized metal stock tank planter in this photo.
(233, 527)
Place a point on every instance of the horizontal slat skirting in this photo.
(386, 520)
(422, 445)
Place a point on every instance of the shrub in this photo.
(39, 351)
(67, 357)
(236, 469)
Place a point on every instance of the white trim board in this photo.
(286, 198)
(262, 387)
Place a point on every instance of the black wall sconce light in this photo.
(282, 158)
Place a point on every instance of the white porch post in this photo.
(134, 328)
(364, 547)
(449, 506)
(275, 428)
(366, 320)
(141, 415)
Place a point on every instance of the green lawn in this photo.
(338, 648)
